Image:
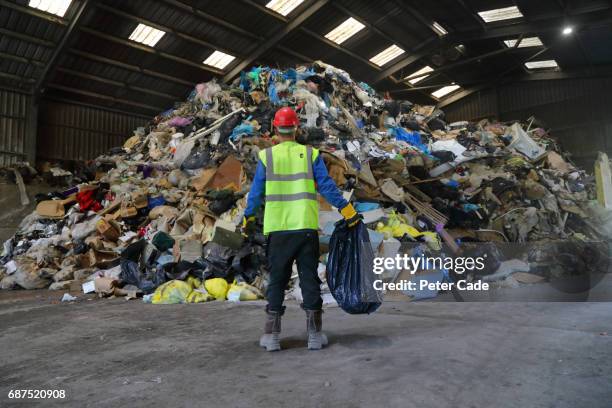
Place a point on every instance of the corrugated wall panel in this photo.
(575, 110)
(476, 106)
(13, 111)
(76, 132)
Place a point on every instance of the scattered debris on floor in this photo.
(158, 216)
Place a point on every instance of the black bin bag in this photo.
(350, 274)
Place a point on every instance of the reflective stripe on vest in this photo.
(272, 176)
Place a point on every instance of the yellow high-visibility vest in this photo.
(291, 195)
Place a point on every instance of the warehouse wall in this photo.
(13, 126)
(79, 132)
(577, 111)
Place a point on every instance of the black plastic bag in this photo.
(196, 160)
(147, 282)
(216, 262)
(248, 261)
(350, 265)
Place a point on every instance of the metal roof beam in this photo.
(14, 89)
(507, 31)
(213, 19)
(23, 60)
(266, 10)
(597, 71)
(276, 38)
(468, 61)
(404, 62)
(150, 50)
(61, 47)
(310, 33)
(368, 25)
(22, 80)
(90, 105)
(473, 14)
(402, 4)
(460, 95)
(341, 49)
(597, 19)
(167, 29)
(372, 27)
(156, 109)
(27, 38)
(130, 67)
(118, 84)
(435, 86)
(295, 54)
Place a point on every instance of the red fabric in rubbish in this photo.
(87, 201)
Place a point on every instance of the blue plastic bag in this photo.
(414, 138)
(350, 265)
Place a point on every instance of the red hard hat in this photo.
(286, 117)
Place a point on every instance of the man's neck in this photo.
(286, 139)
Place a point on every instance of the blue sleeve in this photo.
(326, 185)
(257, 190)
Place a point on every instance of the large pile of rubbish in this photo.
(159, 215)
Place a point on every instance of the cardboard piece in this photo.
(54, 208)
(556, 162)
(228, 175)
(201, 182)
(109, 229)
(128, 212)
(139, 199)
(188, 250)
(105, 286)
(524, 277)
(96, 258)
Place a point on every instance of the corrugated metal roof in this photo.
(240, 26)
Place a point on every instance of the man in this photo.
(289, 175)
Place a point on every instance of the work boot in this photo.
(271, 337)
(316, 338)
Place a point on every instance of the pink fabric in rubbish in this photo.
(179, 122)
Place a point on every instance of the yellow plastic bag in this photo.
(194, 282)
(174, 291)
(397, 227)
(242, 292)
(199, 295)
(217, 287)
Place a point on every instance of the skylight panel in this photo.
(147, 35)
(546, 64)
(527, 42)
(387, 55)
(344, 31)
(219, 59)
(500, 14)
(437, 27)
(57, 7)
(424, 70)
(283, 7)
(442, 92)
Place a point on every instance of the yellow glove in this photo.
(351, 216)
(248, 225)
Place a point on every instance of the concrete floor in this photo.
(108, 353)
